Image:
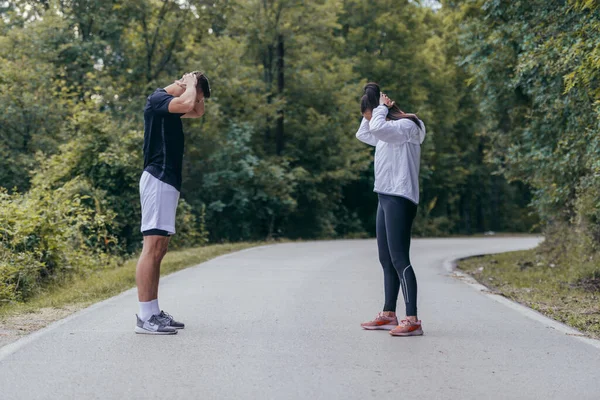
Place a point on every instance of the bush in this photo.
(46, 234)
(245, 195)
(191, 228)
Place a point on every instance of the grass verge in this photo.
(563, 292)
(81, 291)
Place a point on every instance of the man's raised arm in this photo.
(186, 102)
(198, 110)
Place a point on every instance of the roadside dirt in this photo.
(14, 327)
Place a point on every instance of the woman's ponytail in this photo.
(370, 101)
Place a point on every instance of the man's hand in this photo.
(187, 101)
(198, 110)
(185, 80)
(189, 79)
(179, 82)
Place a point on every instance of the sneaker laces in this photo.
(165, 316)
(381, 315)
(407, 322)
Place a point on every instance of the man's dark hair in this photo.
(202, 83)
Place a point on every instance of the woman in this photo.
(397, 137)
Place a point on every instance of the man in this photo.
(160, 185)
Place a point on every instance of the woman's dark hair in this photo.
(202, 83)
(370, 101)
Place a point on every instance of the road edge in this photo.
(13, 347)
(450, 265)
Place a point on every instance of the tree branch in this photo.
(169, 53)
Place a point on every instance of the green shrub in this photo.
(47, 234)
(244, 194)
(191, 228)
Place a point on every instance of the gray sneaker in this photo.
(154, 326)
(168, 320)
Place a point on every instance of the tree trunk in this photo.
(280, 88)
(268, 68)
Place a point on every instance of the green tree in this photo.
(533, 65)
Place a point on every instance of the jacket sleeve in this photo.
(396, 132)
(364, 135)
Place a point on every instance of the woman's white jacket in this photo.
(397, 153)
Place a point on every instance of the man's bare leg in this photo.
(148, 275)
(150, 320)
(148, 267)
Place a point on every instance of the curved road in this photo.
(282, 322)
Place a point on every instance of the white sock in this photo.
(155, 307)
(148, 309)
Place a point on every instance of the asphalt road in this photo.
(282, 322)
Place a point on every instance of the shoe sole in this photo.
(379, 328)
(143, 331)
(418, 332)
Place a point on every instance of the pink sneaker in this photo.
(407, 328)
(381, 322)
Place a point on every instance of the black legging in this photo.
(395, 216)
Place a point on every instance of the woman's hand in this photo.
(386, 101)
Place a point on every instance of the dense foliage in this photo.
(508, 90)
(536, 66)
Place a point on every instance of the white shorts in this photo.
(159, 204)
